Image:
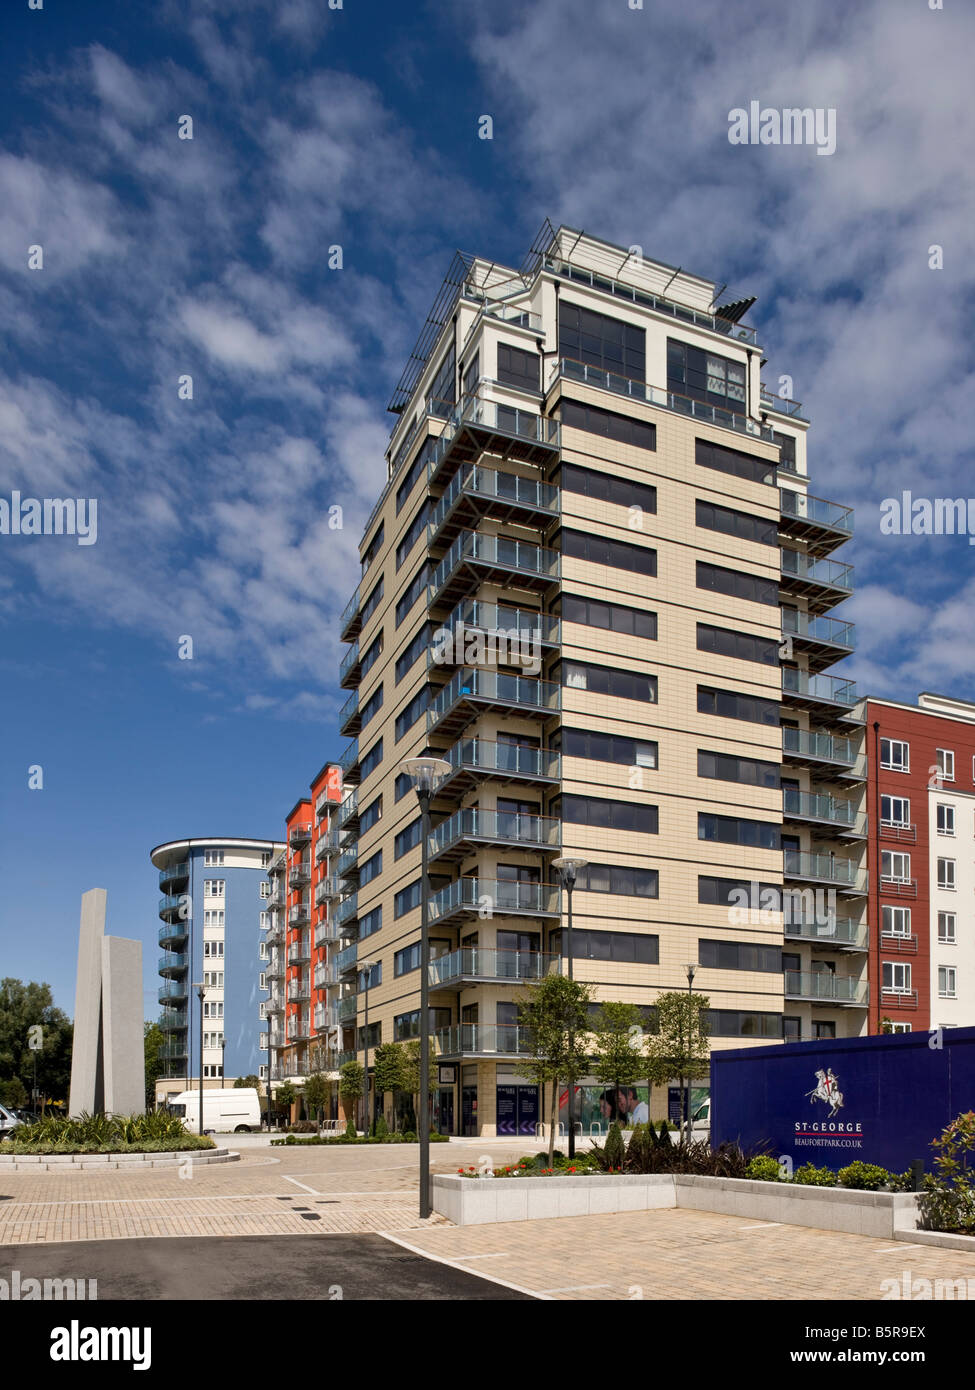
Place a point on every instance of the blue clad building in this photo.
(213, 924)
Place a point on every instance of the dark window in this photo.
(371, 760)
(417, 468)
(372, 867)
(375, 1029)
(734, 892)
(613, 617)
(413, 534)
(732, 830)
(408, 1025)
(409, 958)
(402, 785)
(597, 550)
(787, 447)
(733, 1023)
(408, 839)
(518, 368)
(372, 705)
(372, 655)
(742, 525)
(372, 813)
(727, 704)
(624, 429)
(443, 391)
(742, 645)
(409, 654)
(609, 815)
(606, 680)
(608, 748)
(604, 487)
(373, 601)
(733, 461)
(371, 922)
(373, 548)
(407, 899)
(615, 946)
(622, 879)
(705, 376)
(738, 585)
(471, 374)
(408, 716)
(417, 585)
(601, 341)
(739, 955)
(725, 767)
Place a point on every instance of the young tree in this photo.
(252, 1082)
(317, 1090)
(680, 1046)
(389, 1073)
(154, 1037)
(617, 1037)
(554, 1014)
(411, 1074)
(285, 1097)
(351, 1081)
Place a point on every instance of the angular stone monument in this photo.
(108, 1071)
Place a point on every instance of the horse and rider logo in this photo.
(827, 1089)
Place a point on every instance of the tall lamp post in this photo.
(200, 994)
(425, 774)
(567, 867)
(366, 968)
(691, 971)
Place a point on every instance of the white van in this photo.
(234, 1108)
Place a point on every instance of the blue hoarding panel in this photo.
(881, 1099)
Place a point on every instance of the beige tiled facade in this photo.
(496, 450)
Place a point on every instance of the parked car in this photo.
(8, 1121)
(27, 1117)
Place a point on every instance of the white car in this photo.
(8, 1121)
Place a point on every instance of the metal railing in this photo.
(828, 747)
(476, 480)
(497, 551)
(345, 960)
(823, 984)
(517, 759)
(836, 931)
(843, 872)
(494, 895)
(347, 910)
(486, 963)
(498, 686)
(508, 1039)
(174, 960)
(823, 807)
(173, 872)
(832, 574)
(818, 629)
(817, 510)
(474, 823)
(831, 689)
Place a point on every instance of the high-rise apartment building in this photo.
(597, 585)
(922, 866)
(213, 911)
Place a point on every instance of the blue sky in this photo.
(358, 127)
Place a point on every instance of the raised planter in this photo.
(67, 1163)
(474, 1201)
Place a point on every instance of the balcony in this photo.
(174, 1022)
(477, 427)
(822, 583)
(173, 992)
(299, 952)
(299, 874)
(472, 691)
(474, 759)
(350, 721)
(346, 912)
(782, 405)
(898, 998)
(480, 896)
(298, 915)
(349, 861)
(173, 963)
(299, 835)
(821, 640)
(299, 991)
(275, 969)
(173, 906)
(275, 1002)
(275, 932)
(817, 692)
(483, 1040)
(902, 943)
(327, 933)
(487, 966)
(349, 763)
(843, 874)
(823, 752)
(835, 933)
(820, 525)
(818, 808)
(476, 492)
(349, 809)
(326, 888)
(345, 960)
(349, 623)
(328, 842)
(458, 836)
(174, 877)
(350, 668)
(172, 932)
(492, 634)
(276, 896)
(824, 986)
(476, 559)
(172, 1052)
(898, 887)
(347, 1008)
(901, 831)
(299, 1030)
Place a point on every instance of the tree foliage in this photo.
(617, 1039)
(389, 1071)
(555, 1018)
(680, 1048)
(24, 1007)
(153, 1039)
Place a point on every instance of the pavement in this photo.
(157, 1229)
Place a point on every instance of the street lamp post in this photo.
(567, 867)
(200, 994)
(425, 774)
(691, 972)
(223, 1057)
(366, 967)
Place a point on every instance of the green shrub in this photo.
(350, 1130)
(811, 1176)
(641, 1150)
(865, 1177)
(764, 1168)
(901, 1182)
(615, 1149)
(947, 1202)
(101, 1133)
(381, 1129)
